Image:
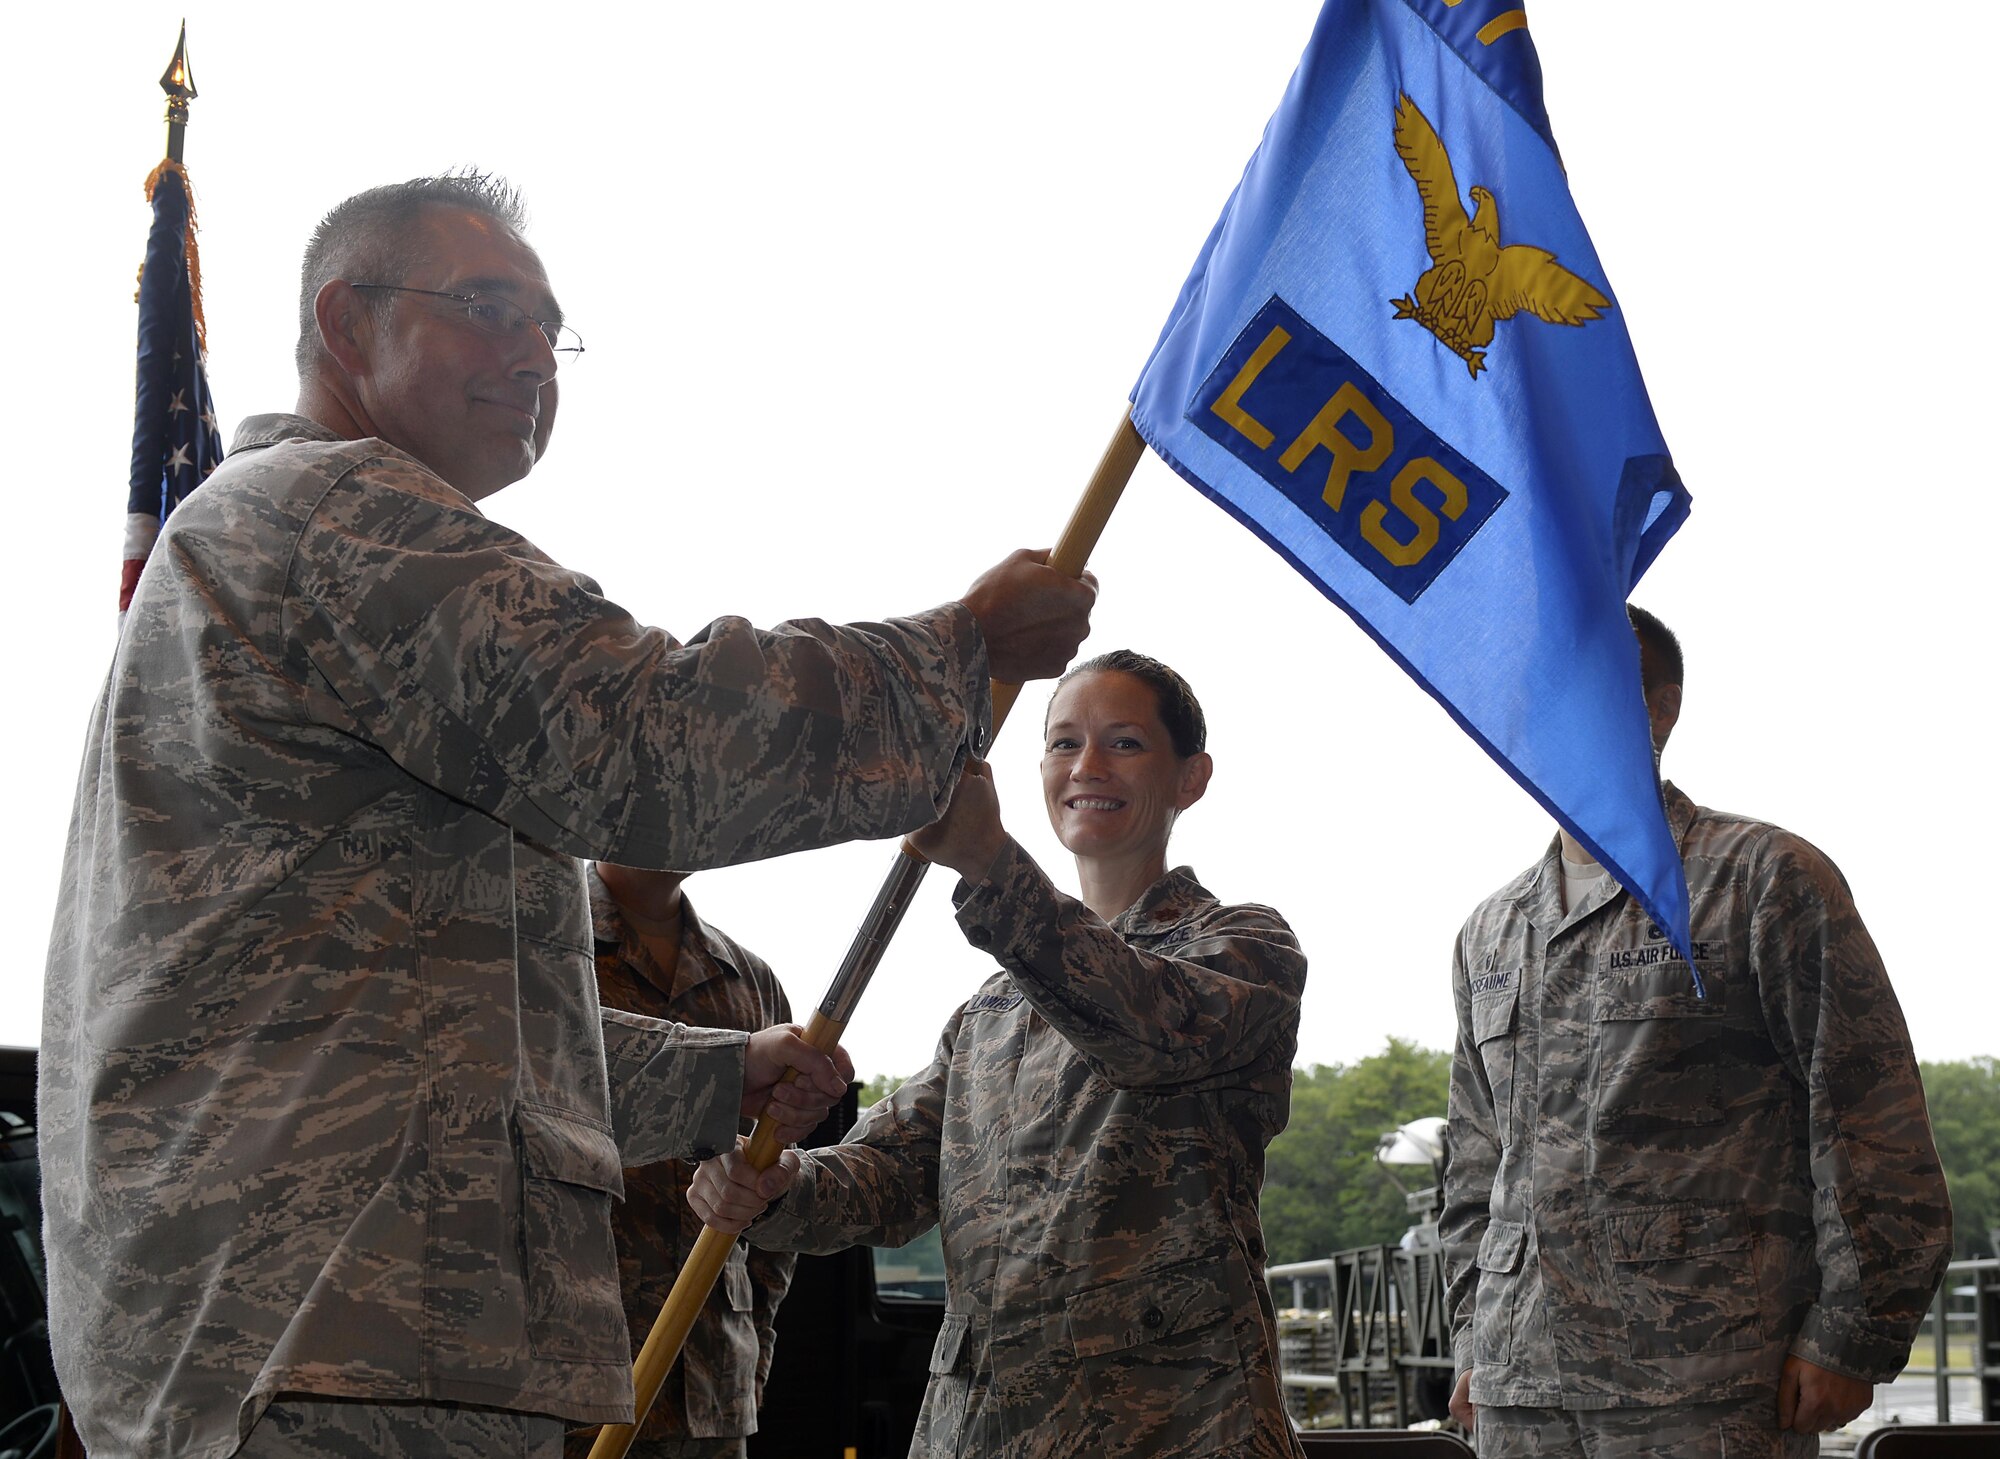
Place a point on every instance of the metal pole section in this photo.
(864, 955)
(1939, 1339)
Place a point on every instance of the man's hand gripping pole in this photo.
(864, 954)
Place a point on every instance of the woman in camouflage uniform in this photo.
(1090, 1135)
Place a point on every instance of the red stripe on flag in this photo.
(128, 579)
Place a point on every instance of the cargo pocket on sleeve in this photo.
(1686, 1276)
(569, 1173)
(1158, 1358)
(1499, 1262)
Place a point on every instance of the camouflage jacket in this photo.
(1652, 1198)
(1090, 1141)
(327, 1101)
(716, 1387)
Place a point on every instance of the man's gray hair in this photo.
(374, 236)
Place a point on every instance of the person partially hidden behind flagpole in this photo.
(1679, 1225)
(331, 1122)
(656, 956)
(1089, 1138)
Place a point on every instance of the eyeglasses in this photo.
(497, 316)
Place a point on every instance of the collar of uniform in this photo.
(1165, 905)
(1542, 901)
(1681, 813)
(268, 430)
(712, 958)
(702, 955)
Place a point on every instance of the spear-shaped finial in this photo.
(178, 83)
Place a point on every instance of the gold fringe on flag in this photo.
(193, 248)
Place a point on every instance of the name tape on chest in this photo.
(1657, 954)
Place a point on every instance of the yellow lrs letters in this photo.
(1359, 440)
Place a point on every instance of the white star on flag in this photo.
(179, 458)
(177, 405)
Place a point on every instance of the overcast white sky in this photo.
(864, 288)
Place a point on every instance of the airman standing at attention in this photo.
(1679, 1225)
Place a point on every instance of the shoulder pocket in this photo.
(569, 1173)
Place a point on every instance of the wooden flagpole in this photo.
(864, 954)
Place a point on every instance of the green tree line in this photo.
(1964, 1098)
(1323, 1191)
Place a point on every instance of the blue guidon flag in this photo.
(1398, 361)
(175, 439)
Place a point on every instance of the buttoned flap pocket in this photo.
(1495, 1009)
(736, 1288)
(1500, 1254)
(559, 1146)
(1628, 991)
(569, 1172)
(950, 1339)
(1686, 1276)
(1493, 1013)
(1159, 1362)
(1493, 1318)
(1666, 1071)
(1501, 1247)
(941, 1423)
(1685, 1228)
(1145, 1309)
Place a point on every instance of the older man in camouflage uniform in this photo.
(331, 1119)
(656, 956)
(1680, 1226)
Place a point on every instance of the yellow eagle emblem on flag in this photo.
(1473, 280)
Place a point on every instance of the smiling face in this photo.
(476, 408)
(1110, 778)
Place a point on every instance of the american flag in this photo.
(175, 439)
